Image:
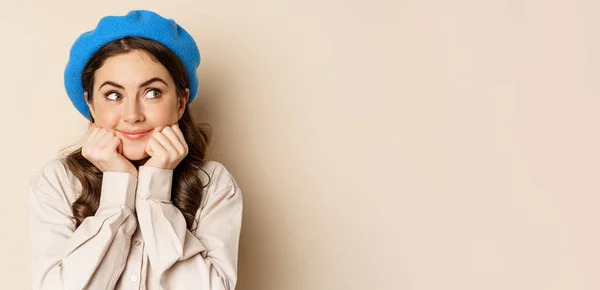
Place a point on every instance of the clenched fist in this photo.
(167, 147)
(103, 149)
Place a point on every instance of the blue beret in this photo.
(140, 23)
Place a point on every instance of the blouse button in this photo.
(134, 278)
(137, 242)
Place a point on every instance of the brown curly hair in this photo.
(187, 187)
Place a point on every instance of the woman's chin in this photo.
(135, 155)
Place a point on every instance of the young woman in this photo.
(137, 206)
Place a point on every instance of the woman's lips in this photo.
(135, 135)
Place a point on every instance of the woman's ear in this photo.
(182, 102)
(90, 104)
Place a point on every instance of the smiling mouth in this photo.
(135, 135)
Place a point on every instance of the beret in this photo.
(140, 23)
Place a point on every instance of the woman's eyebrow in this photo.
(155, 79)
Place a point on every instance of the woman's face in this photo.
(134, 93)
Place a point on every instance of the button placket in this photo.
(135, 275)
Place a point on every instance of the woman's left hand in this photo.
(166, 147)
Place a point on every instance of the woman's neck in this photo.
(138, 163)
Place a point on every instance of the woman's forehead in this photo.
(131, 69)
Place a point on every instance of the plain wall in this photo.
(379, 144)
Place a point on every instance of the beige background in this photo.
(379, 144)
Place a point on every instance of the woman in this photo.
(137, 206)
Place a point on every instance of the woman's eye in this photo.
(113, 96)
(152, 94)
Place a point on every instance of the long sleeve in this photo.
(205, 259)
(91, 256)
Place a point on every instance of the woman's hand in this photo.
(103, 149)
(166, 147)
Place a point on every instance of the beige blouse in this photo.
(138, 239)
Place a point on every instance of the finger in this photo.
(155, 147)
(97, 132)
(95, 143)
(90, 141)
(105, 140)
(93, 132)
(157, 129)
(166, 143)
(148, 148)
(177, 131)
(115, 144)
(175, 141)
(113, 135)
(154, 132)
(95, 136)
(119, 145)
(105, 137)
(180, 135)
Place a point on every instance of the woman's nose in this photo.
(133, 113)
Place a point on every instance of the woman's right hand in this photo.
(103, 149)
